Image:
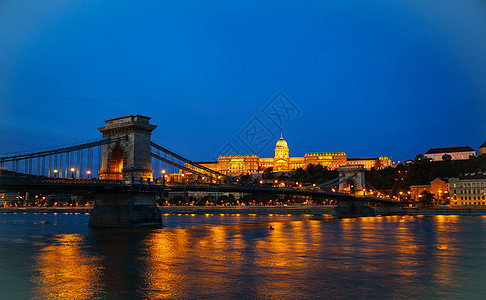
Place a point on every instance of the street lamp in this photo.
(89, 174)
(72, 172)
(163, 177)
(55, 173)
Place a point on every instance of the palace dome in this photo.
(281, 143)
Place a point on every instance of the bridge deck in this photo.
(43, 183)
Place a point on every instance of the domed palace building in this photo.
(251, 164)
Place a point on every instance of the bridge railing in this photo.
(51, 180)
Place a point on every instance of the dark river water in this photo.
(56, 256)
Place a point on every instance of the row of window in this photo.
(469, 191)
(473, 184)
(472, 203)
(470, 197)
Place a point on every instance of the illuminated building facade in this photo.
(251, 164)
(330, 160)
(468, 190)
(460, 152)
(282, 159)
(237, 164)
(438, 187)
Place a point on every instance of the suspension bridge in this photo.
(127, 169)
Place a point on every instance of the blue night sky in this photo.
(369, 78)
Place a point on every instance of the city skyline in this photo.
(242, 149)
(390, 78)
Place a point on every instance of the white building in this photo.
(459, 152)
(468, 189)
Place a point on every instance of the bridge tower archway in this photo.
(115, 163)
(131, 157)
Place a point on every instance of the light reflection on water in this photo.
(64, 271)
(225, 256)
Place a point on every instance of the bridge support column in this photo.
(350, 209)
(125, 209)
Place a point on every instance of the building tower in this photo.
(129, 157)
(281, 160)
(482, 149)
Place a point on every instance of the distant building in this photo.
(438, 187)
(369, 163)
(58, 199)
(460, 152)
(9, 198)
(282, 162)
(482, 149)
(468, 189)
(236, 164)
(417, 190)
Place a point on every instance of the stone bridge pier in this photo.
(124, 160)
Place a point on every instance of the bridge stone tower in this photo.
(129, 158)
(356, 185)
(127, 206)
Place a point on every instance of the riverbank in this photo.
(41, 210)
(263, 210)
(200, 210)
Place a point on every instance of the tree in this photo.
(223, 199)
(177, 200)
(203, 200)
(400, 167)
(427, 199)
(419, 157)
(231, 199)
(310, 169)
(268, 173)
(245, 177)
(446, 157)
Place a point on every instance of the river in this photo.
(57, 256)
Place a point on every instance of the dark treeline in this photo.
(422, 171)
(312, 174)
(246, 199)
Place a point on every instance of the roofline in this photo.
(123, 117)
